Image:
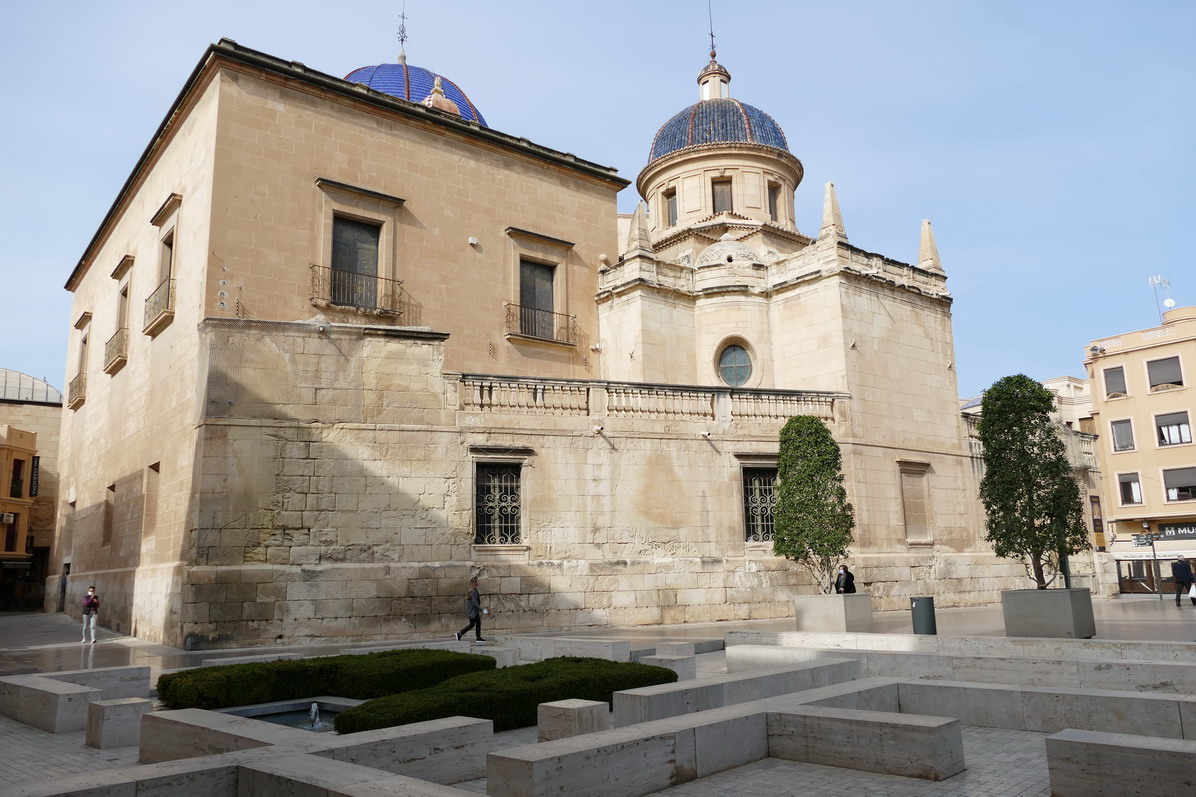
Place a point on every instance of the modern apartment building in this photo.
(30, 417)
(1143, 404)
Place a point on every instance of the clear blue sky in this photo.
(1050, 141)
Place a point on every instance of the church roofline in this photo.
(229, 52)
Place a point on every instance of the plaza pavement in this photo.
(1000, 762)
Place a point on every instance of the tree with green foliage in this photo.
(1031, 497)
(812, 520)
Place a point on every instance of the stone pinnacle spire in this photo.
(638, 239)
(928, 251)
(832, 219)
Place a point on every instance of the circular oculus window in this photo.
(734, 365)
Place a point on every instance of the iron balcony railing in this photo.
(337, 288)
(159, 303)
(116, 350)
(545, 324)
(77, 391)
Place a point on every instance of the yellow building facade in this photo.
(1143, 407)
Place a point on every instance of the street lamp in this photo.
(1154, 557)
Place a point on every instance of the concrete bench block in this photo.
(57, 702)
(838, 613)
(1096, 764)
(564, 718)
(503, 656)
(449, 750)
(46, 703)
(676, 649)
(686, 667)
(930, 748)
(217, 662)
(540, 648)
(115, 723)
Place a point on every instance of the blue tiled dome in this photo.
(414, 84)
(717, 121)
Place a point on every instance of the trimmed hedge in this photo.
(362, 676)
(508, 696)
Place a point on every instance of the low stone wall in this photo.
(1094, 764)
(650, 703)
(1048, 709)
(58, 702)
(442, 751)
(1022, 647)
(285, 776)
(1136, 676)
(645, 758)
(924, 747)
(532, 649)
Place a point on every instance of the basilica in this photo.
(338, 345)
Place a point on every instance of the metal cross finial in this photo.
(710, 15)
(403, 26)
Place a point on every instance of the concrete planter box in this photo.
(1064, 613)
(841, 613)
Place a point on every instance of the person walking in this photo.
(1181, 571)
(91, 609)
(473, 611)
(845, 581)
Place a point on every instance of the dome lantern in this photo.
(714, 81)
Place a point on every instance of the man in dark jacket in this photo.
(845, 581)
(1181, 571)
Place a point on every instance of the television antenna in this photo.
(1162, 282)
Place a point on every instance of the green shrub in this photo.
(363, 676)
(509, 696)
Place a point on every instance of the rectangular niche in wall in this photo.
(915, 502)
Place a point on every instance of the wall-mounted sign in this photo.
(1177, 531)
(35, 471)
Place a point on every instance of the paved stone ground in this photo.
(1001, 763)
(31, 755)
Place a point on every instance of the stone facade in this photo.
(287, 450)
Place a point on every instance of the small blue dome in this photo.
(414, 84)
(717, 121)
